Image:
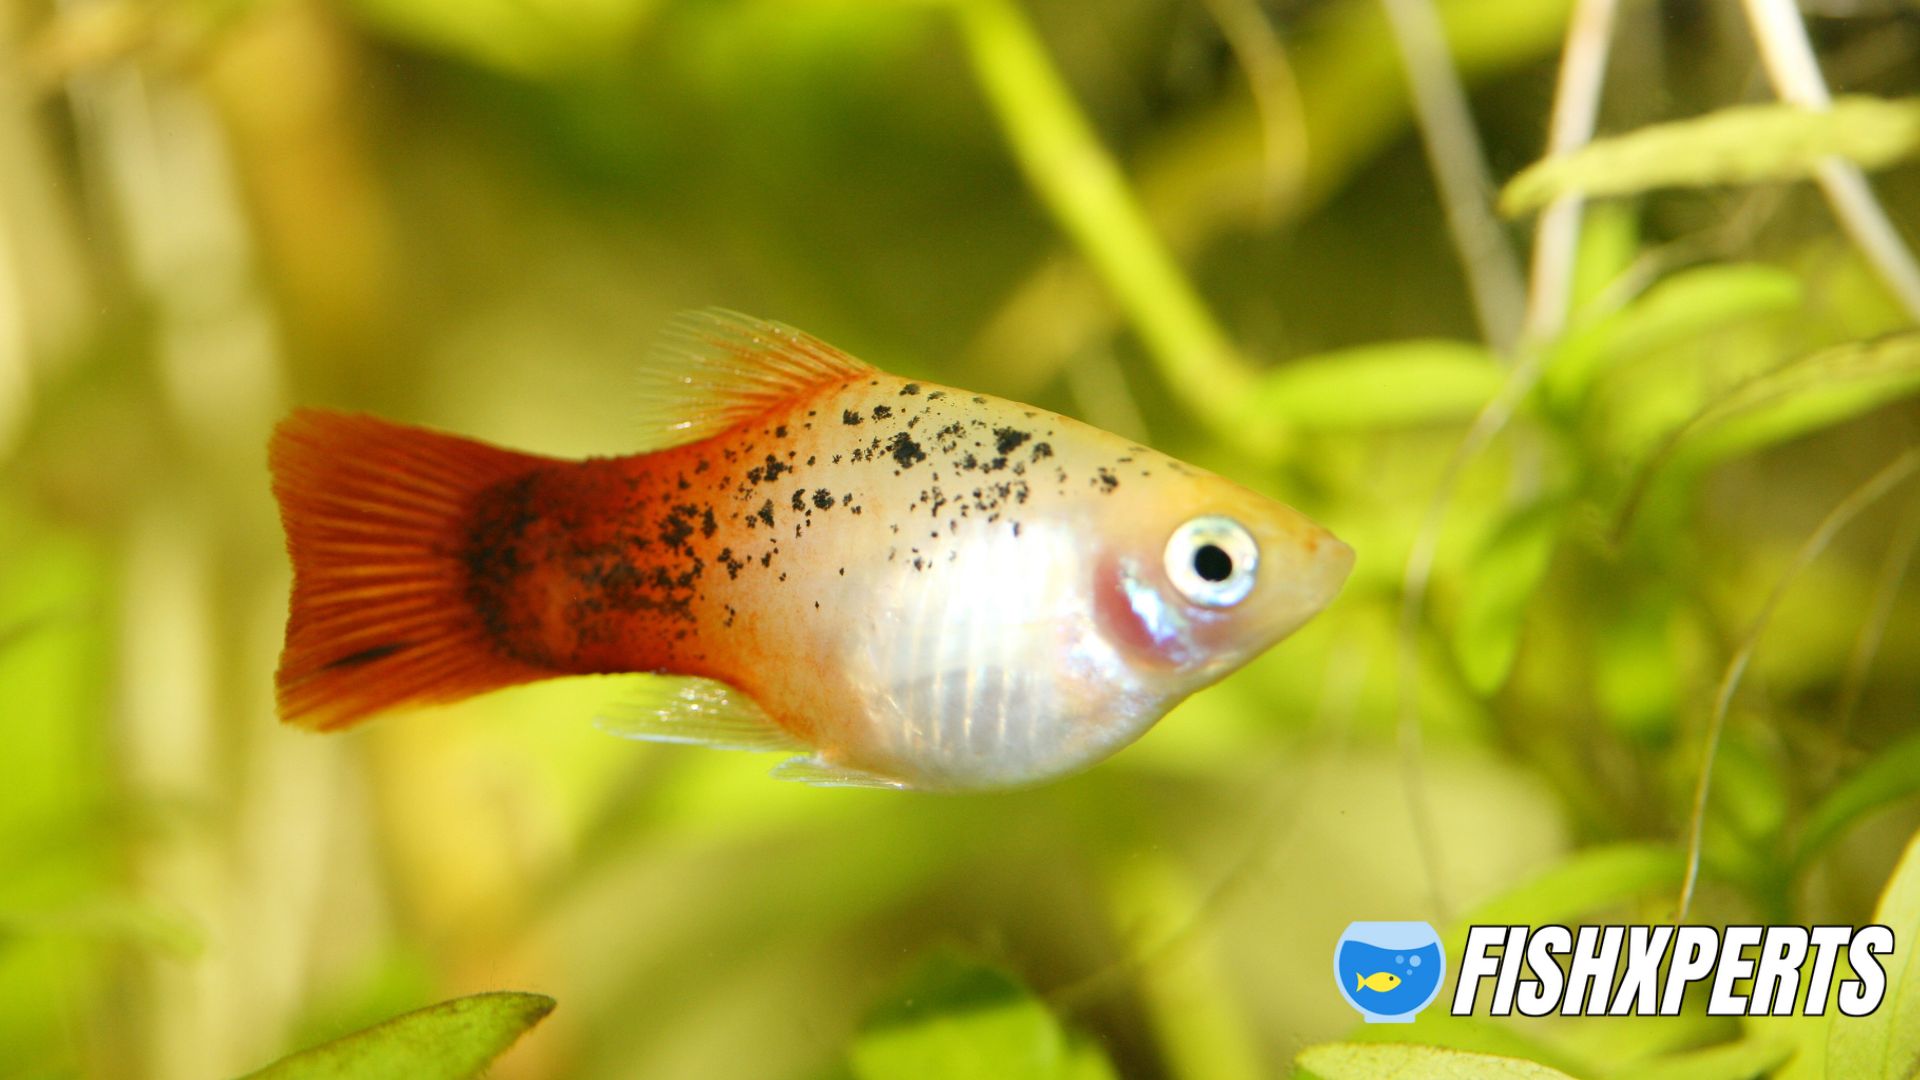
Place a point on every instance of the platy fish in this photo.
(1379, 981)
(905, 585)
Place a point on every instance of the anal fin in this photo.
(696, 712)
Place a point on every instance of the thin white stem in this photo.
(1460, 169)
(1576, 109)
(1875, 488)
(1795, 73)
(1276, 95)
(1418, 577)
(1577, 99)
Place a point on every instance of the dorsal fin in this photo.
(715, 368)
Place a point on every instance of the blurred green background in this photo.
(475, 216)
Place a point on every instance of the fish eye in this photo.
(1212, 560)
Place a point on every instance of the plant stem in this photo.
(1576, 107)
(1086, 193)
(1460, 169)
(1576, 100)
(1276, 98)
(1795, 74)
(1873, 490)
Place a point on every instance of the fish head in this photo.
(1199, 575)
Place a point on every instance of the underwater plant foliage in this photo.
(1633, 631)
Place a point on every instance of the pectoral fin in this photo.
(811, 769)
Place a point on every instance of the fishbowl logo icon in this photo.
(1389, 971)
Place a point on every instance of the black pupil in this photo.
(1213, 564)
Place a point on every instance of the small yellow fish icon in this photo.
(1380, 981)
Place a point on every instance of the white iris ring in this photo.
(1198, 574)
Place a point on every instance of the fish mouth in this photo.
(1303, 568)
(1331, 564)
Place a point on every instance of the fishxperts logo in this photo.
(1618, 970)
(1389, 970)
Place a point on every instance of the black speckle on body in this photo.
(493, 560)
(905, 451)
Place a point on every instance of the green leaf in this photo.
(1609, 246)
(1893, 774)
(957, 1020)
(1397, 1061)
(1794, 399)
(1741, 1060)
(1676, 311)
(1589, 880)
(1501, 580)
(1637, 664)
(1887, 1042)
(1373, 386)
(1742, 144)
(520, 37)
(110, 918)
(449, 1041)
(1805, 395)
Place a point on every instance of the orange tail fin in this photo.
(377, 522)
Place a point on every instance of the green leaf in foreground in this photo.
(958, 1020)
(1887, 1042)
(1398, 1061)
(1742, 144)
(1730, 1061)
(449, 1041)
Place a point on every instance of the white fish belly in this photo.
(983, 667)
